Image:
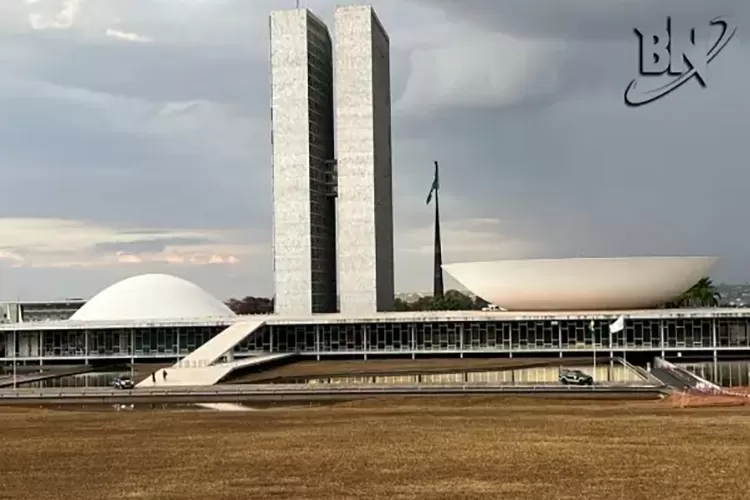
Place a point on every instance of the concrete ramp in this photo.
(682, 379)
(199, 367)
(223, 343)
(671, 380)
(201, 376)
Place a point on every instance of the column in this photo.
(365, 339)
(461, 340)
(661, 341)
(317, 342)
(714, 341)
(132, 348)
(413, 341)
(611, 357)
(510, 344)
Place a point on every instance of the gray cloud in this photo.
(151, 71)
(588, 20)
(72, 157)
(520, 101)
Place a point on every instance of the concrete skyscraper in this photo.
(304, 234)
(363, 150)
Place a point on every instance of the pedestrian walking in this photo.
(164, 375)
(153, 377)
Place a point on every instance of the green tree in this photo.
(401, 305)
(479, 303)
(452, 300)
(703, 294)
(422, 304)
(251, 305)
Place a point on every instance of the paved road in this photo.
(235, 393)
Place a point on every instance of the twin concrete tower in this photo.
(332, 182)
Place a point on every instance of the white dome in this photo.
(151, 296)
(581, 284)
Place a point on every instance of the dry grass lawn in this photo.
(451, 449)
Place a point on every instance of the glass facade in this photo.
(115, 343)
(392, 337)
(322, 199)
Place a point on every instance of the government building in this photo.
(331, 117)
(164, 318)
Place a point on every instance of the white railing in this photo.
(643, 373)
(192, 363)
(300, 389)
(699, 383)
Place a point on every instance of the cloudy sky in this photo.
(135, 138)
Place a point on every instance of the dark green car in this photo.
(575, 377)
(123, 383)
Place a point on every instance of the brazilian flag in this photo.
(435, 184)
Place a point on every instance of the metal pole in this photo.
(611, 354)
(438, 288)
(592, 329)
(14, 359)
(593, 339)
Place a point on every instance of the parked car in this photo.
(575, 377)
(123, 383)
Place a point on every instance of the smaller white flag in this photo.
(618, 325)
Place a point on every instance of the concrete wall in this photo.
(302, 136)
(29, 311)
(363, 150)
(10, 312)
(616, 373)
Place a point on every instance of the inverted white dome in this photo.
(581, 284)
(149, 297)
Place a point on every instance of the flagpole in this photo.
(593, 339)
(437, 287)
(616, 327)
(624, 345)
(592, 330)
(609, 368)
